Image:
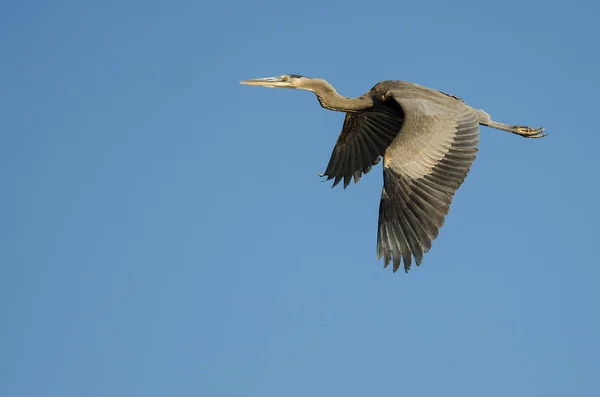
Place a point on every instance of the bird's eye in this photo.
(285, 78)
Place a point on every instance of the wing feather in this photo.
(363, 141)
(423, 168)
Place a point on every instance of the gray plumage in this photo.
(428, 141)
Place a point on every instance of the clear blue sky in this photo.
(165, 233)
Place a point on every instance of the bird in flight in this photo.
(428, 140)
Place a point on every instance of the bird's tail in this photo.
(483, 117)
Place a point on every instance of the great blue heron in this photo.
(428, 140)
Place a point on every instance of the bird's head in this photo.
(285, 81)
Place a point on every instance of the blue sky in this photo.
(165, 232)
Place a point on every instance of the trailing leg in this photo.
(521, 130)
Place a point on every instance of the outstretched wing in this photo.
(364, 138)
(422, 169)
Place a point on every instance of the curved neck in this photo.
(330, 99)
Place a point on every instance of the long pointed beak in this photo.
(271, 82)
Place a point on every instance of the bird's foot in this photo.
(528, 132)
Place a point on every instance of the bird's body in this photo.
(428, 140)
